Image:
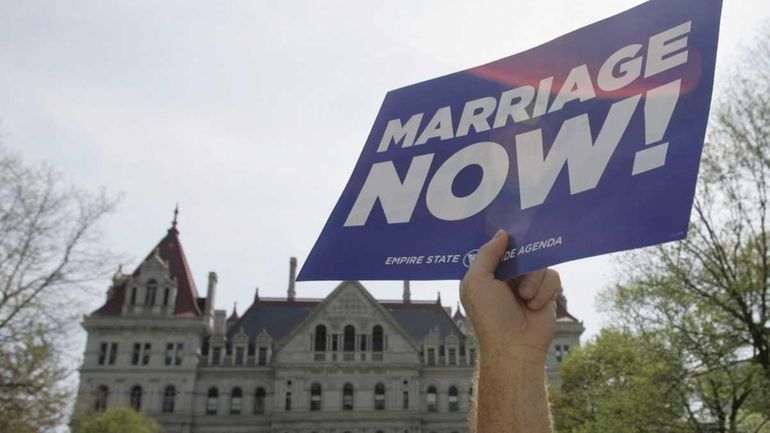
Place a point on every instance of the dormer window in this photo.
(166, 293)
(149, 294)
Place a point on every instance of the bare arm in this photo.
(514, 321)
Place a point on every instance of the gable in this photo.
(350, 304)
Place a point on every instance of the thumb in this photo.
(490, 253)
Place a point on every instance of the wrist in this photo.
(524, 355)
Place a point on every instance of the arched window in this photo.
(349, 339)
(377, 339)
(347, 396)
(100, 399)
(320, 338)
(315, 397)
(379, 397)
(149, 294)
(288, 401)
(166, 293)
(431, 399)
(259, 401)
(136, 397)
(454, 404)
(405, 400)
(212, 402)
(236, 397)
(169, 395)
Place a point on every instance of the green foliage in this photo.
(117, 421)
(619, 383)
(31, 398)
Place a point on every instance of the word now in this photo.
(586, 160)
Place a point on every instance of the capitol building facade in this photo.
(347, 363)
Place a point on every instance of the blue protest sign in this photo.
(585, 145)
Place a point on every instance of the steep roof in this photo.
(277, 316)
(280, 316)
(420, 317)
(169, 249)
(561, 309)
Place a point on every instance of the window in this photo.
(174, 353)
(236, 398)
(146, 353)
(335, 342)
(454, 404)
(431, 398)
(320, 338)
(561, 352)
(108, 352)
(149, 294)
(216, 355)
(431, 356)
(377, 339)
(472, 353)
(169, 396)
(113, 353)
(349, 339)
(212, 401)
(379, 397)
(100, 398)
(103, 353)
(287, 404)
(136, 397)
(262, 360)
(169, 353)
(259, 401)
(166, 293)
(133, 296)
(141, 352)
(239, 352)
(315, 397)
(136, 353)
(179, 353)
(405, 400)
(452, 356)
(347, 396)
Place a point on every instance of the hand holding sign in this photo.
(517, 315)
(585, 145)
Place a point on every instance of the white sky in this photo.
(251, 114)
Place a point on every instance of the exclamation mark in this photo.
(658, 107)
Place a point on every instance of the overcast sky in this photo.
(251, 114)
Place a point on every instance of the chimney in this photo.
(407, 296)
(211, 293)
(292, 293)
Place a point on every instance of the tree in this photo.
(619, 383)
(49, 252)
(117, 421)
(32, 397)
(708, 296)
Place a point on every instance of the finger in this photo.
(490, 253)
(547, 290)
(529, 285)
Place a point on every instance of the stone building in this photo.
(345, 363)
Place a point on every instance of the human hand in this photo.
(517, 315)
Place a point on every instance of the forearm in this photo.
(511, 393)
